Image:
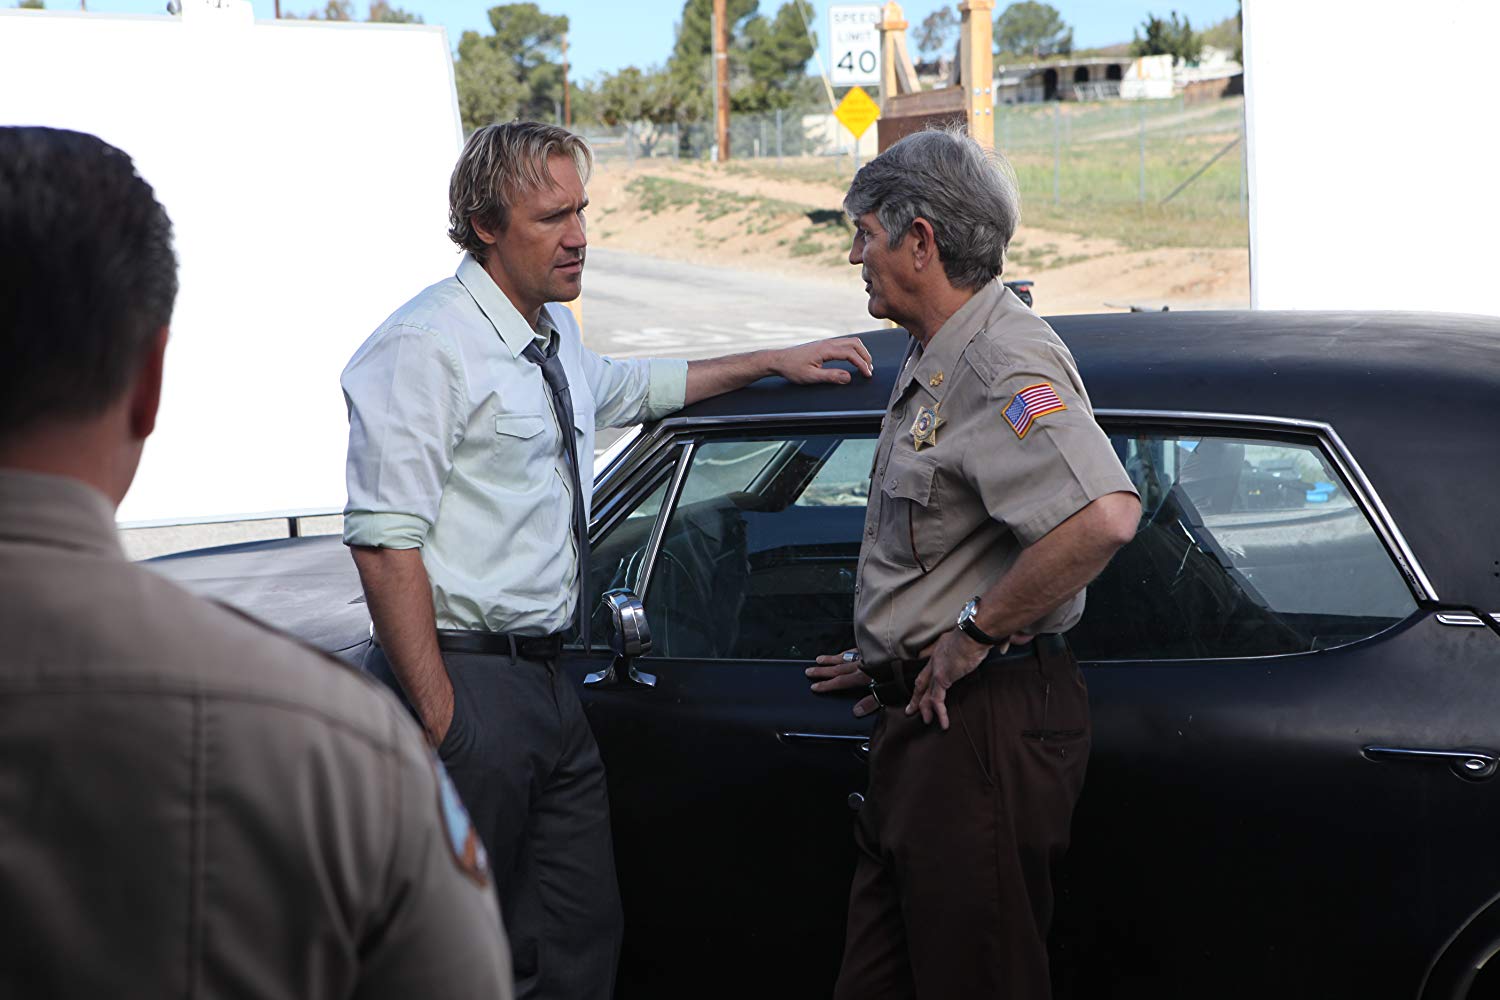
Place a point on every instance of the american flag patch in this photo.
(1030, 403)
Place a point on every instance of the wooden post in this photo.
(721, 78)
(892, 20)
(977, 69)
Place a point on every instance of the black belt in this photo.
(526, 647)
(892, 683)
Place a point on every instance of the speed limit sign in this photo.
(855, 36)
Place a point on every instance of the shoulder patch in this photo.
(463, 842)
(1030, 404)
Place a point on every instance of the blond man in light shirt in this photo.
(467, 499)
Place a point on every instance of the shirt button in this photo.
(870, 530)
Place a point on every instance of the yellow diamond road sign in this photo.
(857, 111)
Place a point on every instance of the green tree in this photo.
(488, 90)
(1175, 38)
(1227, 34)
(644, 99)
(691, 63)
(31, 5)
(517, 71)
(381, 12)
(938, 32)
(775, 55)
(1034, 29)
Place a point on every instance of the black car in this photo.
(1294, 673)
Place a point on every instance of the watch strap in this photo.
(967, 626)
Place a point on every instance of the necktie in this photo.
(562, 407)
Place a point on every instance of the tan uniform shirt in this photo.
(989, 442)
(191, 806)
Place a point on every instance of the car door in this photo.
(1258, 659)
(730, 782)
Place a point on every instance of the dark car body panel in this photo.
(1233, 838)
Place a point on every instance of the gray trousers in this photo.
(522, 755)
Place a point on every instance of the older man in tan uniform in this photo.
(995, 498)
(190, 805)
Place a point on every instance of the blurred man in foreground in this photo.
(190, 805)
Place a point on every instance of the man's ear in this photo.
(485, 234)
(923, 243)
(145, 392)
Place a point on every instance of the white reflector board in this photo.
(305, 167)
(1371, 160)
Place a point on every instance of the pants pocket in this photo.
(456, 739)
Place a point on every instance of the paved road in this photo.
(645, 307)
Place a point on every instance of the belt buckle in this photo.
(875, 687)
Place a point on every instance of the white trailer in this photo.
(305, 167)
(1372, 154)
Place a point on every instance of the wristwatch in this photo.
(967, 626)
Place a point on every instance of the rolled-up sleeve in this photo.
(403, 390)
(629, 392)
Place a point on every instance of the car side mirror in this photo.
(629, 637)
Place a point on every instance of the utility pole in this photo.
(567, 96)
(721, 78)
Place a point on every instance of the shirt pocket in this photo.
(519, 438)
(911, 526)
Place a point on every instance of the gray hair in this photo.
(967, 192)
(499, 164)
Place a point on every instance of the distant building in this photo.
(1101, 78)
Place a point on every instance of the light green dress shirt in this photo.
(454, 449)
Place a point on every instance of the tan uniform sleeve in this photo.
(442, 935)
(1045, 457)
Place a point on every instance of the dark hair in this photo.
(87, 275)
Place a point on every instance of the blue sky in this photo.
(607, 35)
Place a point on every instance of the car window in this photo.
(758, 558)
(1247, 547)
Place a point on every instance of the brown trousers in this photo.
(959, 833)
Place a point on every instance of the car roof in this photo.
(1415, 396)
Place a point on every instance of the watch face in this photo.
(967, 614)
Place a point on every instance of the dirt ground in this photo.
(790, 223)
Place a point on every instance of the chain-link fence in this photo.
(780, 134)
(1147, 153)
(1066, 154)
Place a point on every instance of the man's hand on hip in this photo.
(950, 660)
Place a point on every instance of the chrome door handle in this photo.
(1474, 765)
(859, 744)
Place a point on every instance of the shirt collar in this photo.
(508, 323)
(934, 368)
(56, 510)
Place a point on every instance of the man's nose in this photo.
(856, 256)
(576, 237)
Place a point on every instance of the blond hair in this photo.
(499, 164)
